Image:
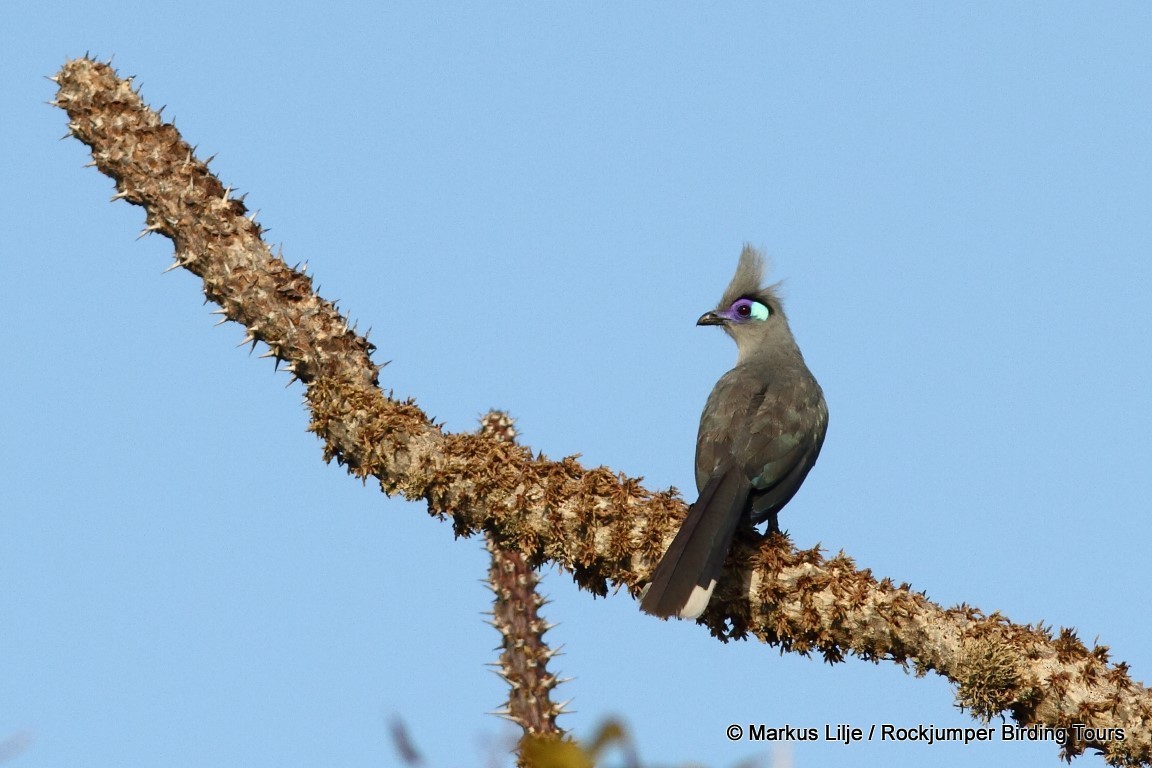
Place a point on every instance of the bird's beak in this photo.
(711, 318)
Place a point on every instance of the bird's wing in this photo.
(781, 445)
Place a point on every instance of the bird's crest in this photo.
(746, 282)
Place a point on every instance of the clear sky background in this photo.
(531, 204)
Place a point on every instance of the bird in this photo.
(760, 433)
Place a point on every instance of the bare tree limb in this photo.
(603, 527)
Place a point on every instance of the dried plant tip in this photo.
(987, 678)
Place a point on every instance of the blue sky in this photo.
(530, 205)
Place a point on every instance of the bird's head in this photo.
(751, 313)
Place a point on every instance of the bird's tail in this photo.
(682, 583)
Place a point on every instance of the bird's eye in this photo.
(747, 309)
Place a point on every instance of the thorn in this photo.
(53, 78)
(209, 159)
(227, 192)
(171, 267)
(118, 196)
(221, 321)
(90, 164)
(149, 229)
(248, 339)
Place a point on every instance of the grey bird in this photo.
(760, 433)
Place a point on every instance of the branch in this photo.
(516, 615)
(601, 526)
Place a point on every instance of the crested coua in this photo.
(760, 433)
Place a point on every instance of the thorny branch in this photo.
(516, 616)
(603, 527)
